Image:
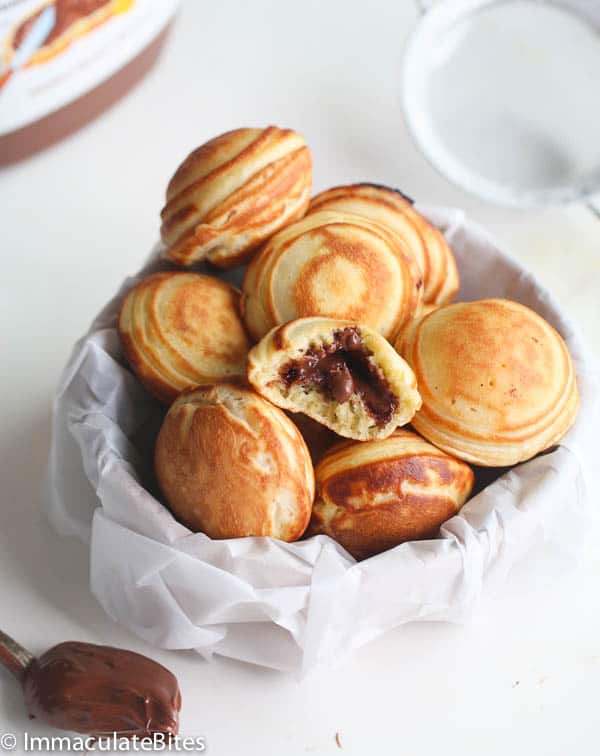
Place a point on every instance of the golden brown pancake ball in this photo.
(497, 381)
(394, 210)
(230, 464)
(335, 265)
(181, 329)
(234, 192)
(373, 496)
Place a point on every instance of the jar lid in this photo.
(54, 52)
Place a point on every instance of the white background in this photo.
(523, 675)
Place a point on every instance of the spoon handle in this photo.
(13, 656)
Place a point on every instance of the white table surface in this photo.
(523, 675)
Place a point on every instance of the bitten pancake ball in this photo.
(341, 374)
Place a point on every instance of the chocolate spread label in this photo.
(53, 51)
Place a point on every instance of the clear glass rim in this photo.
(436, 19)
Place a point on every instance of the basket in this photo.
(294, 606)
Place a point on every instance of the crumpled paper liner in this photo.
(295, 606)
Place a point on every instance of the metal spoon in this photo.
(14, 657)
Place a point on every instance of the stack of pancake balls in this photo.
(289, 401)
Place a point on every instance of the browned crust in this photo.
(140, 361)
(206, 150)
(205, 467)
(158, 388)
(155, 386)
(286, 174)
(259, 276)
(429, 397)
(281, 177)
(365, 527)
(497, 381)
(371, 532)
(267, 194)
(440, 274)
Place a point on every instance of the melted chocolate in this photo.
(99, 690)
(341, 369)
(67, 13)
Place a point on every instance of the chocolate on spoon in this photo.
(96, 690)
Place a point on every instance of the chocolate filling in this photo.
(341, 369)
(67, 13)
(100, 690)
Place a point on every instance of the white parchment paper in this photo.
(295, 606)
